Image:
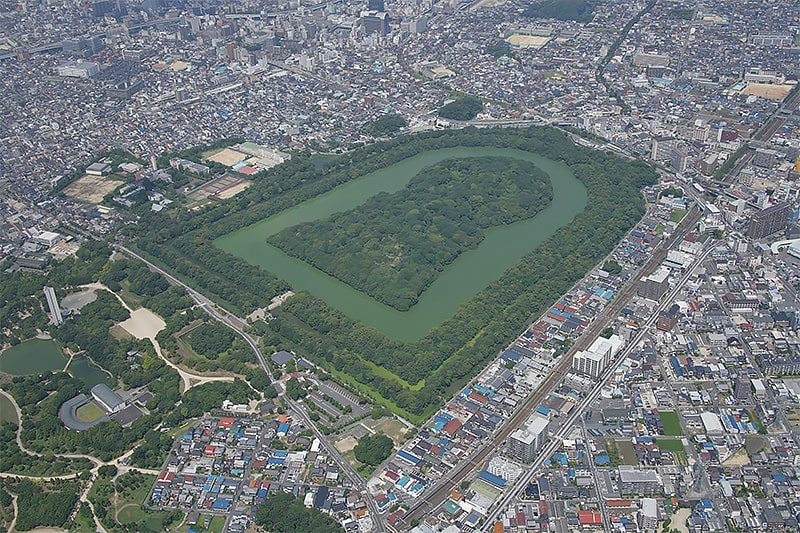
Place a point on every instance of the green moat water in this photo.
(502, 248)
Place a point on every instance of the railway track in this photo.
(442, 488)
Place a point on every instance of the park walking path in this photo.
(84, 497)
(189, 379)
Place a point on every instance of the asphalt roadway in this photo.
(434, 497)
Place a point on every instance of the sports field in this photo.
(768, 91)
(89, 412)
(227, 156)
(220, 184)
(92, 189)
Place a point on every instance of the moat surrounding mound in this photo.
(395, 245)
(409, 361)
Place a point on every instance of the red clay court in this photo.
(220, 184)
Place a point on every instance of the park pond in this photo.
(502, 247)
(83, 369)
(39, 355)
(32, 357)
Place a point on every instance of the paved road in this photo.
(554, 441)
(436, 495)
(237, 324)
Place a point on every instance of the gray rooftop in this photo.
(103, 393)
(281, 358)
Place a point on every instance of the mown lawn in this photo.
(672, 425)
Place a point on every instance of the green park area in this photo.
(461, 309)
(672, 425)
(447, 289)
(677, 215)
(119, 503)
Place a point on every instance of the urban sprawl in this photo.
(660, 393)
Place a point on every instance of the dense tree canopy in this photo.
(15, 461)
(577, 10)
(463, 108)
(394, 246)
(295, 389)
(283, 513)
(211, 339)
(387, 125)
(499, 49)
(373, 449)
(40, 508)
(22, 304)
(208, 396)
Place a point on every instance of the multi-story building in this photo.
(649, 514)
(525, 441)
(55, 310)
(78, 69)
(593, 361)
(375, 22)
(662, 148)
(655, 285)
(768, 221)
(668, 319)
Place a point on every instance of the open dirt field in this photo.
(679, 519)
(233, 191)
(91, 189)
(394, 429)
(767, 90)
(528, 41)
(346, 444)
(227, 156)
(739, 458)
(143, 324)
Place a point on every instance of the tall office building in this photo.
(375, 5)
(768, 221)
(375, 22)
(52, 302)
